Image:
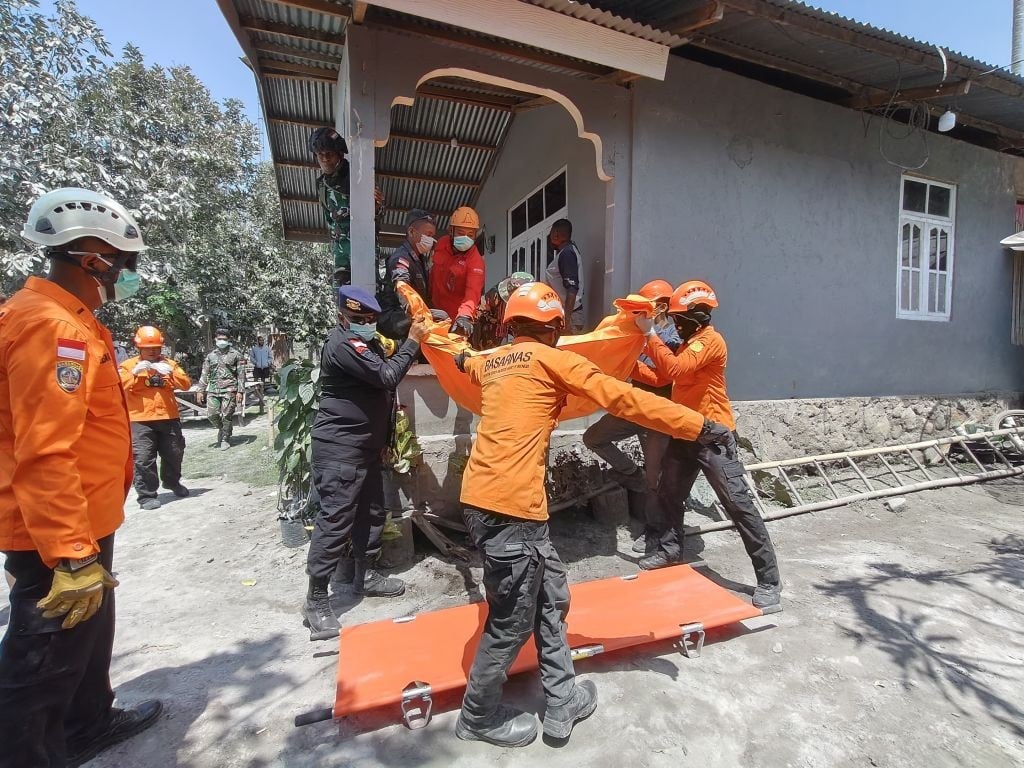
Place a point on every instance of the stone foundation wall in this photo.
(776, 429)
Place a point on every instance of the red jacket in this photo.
(456, 279)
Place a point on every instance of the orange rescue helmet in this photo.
(690, 294)
(657, 290)
(148, 336)
(534, 301)
(465, 217)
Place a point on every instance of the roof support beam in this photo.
(447, 142)
(304, 200)
(295, 164)
(287, 30)
(697, 18)
(317, 6)
(301, 123)
(926, 93)
(858, 39)
(288, 76)
(427, 179)
(538, 27)
(316, 73)
(491, 102)
(290, 50)
(358, 11)
(488, 46)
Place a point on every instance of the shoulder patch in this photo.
(403, 263)
(69, 375)
(360, 346)
(697, 346)
(71, 349)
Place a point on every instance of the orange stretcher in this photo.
(409, 659)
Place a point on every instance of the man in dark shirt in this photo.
(408, 264)
(349, 436)
(566, 272)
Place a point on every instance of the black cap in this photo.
(418, 214)
(222, 332)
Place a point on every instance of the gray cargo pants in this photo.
(527, 594)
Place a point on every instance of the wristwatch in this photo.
(67, 564)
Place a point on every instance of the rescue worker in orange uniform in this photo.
(149, 380)
(457, 275)
(65, 469)
(524, 387)
(697, 374)
(601, 436)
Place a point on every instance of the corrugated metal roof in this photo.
(282, 13)
(602, 18)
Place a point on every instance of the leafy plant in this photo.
(298, 396)
(405, 452)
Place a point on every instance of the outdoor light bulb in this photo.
(947, 121)
(455, 142)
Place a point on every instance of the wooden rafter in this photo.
(688, 22)
(303, 200)
(833, 31)
(377, 19)
(358, 11)
(317, 6)
(316, 73)
(426, 179)
(296, 164)
(287, 30)
(490, 101)
(289, 50)
(313, 125)
(395, 135)
(300, 78)
(926, 93)
(435, 214)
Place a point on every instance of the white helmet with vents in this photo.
(66, 214)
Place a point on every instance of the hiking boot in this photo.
(225, 445)
(179, 490)
(317, 613)
(123, 724)
(507, 727)
(559, 720)
(371, 583)
(631, 481)
(658, 560)
(767, 597)
(150, 503)
(344, 574)
(645, 545)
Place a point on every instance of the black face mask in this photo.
(689, 323)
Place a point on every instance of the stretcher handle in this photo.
(314, 716)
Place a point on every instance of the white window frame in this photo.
(536, 236)
(927, 224)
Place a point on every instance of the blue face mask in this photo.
(127, 284)
(462, 242)
(364, 330)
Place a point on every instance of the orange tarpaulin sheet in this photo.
(613, 346)
(381, 658)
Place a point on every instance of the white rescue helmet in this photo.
(68, 213)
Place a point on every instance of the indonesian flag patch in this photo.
(361, 348)
(70, 349)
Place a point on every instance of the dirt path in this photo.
(901, 643)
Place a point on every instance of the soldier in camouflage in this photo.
(222, 385)
(333, 190)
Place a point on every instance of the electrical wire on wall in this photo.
(916, 123)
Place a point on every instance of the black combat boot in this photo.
(370, 583)
(507, 727)
(559, 720)
(317, 613)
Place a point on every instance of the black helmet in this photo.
(327, 140)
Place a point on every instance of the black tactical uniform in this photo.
(407, 265)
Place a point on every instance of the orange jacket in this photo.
(456, 279)
(696, 372)
(65, 443)
(524, 386)
(148, 403)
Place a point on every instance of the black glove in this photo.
(463, 326)
(460, 361)
(714, 434)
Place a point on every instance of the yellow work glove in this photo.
(77, 595)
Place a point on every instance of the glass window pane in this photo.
(915, 247)
(905, 277)
(932, 290)
(915, 291)
(938, 201)
(940, 305)
(535, 208)
(519, 220)
(914, 195)
(554, 195)
(943, 250)
(933, 248)
(905, 246)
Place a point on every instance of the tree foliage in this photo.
(185, 164)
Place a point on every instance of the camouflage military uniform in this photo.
(223, 378)
(334, 196)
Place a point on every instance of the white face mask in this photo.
(223, 343)
(425, 244)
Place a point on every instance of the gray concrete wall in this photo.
(540, 142)
(787, 207)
